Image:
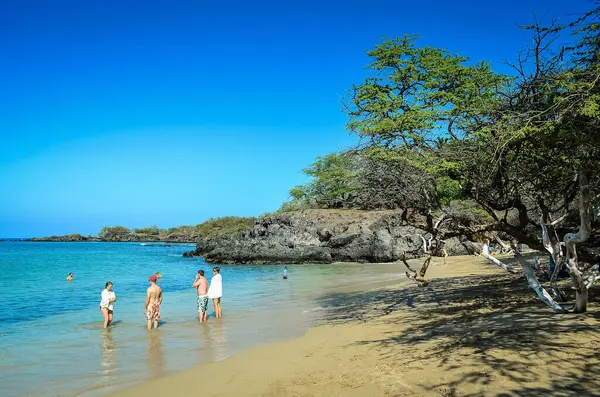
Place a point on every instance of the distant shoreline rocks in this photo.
(124, 239)
(65, 238)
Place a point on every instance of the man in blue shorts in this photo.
(201, 283)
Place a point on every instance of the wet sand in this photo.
(475, 331)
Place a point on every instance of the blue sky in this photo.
(169, 113)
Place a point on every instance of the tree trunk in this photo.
(581, 299)
(552, 245)
(572, 239)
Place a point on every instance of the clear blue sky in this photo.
(169, 113)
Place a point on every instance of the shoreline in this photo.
(475, 331)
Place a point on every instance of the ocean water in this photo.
(51, 336)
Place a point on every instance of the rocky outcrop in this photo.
(140, 238)
(66, 238)
(325, 236)
(125, 238)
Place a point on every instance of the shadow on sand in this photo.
(482, 330)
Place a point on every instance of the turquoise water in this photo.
(51, 336)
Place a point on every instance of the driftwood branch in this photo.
(557, 221)
(499, 263)
(413, 275)
(505, 247)
(535, 284)
(437, 224)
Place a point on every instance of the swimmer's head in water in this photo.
(158, 275)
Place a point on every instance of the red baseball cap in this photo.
(153, 278)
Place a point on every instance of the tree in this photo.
(414, 102)
(225, 226)
(152, 230)
(113, 233)
(333, 182)
(374, 178)
(516, 146)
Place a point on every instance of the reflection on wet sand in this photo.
(213, 346)
(108, 362)
(207, 345)
(219, 340)
(156, 364)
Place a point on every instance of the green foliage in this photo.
(448, 190)
(113, 233)
(467, 213)
(416, 95)
(151, 231)
(437, 130)
(214, 227)
(332, 183)
(225, 226)
(375, 178)
(333, 180)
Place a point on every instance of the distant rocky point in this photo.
(66, 238)
(124, 238)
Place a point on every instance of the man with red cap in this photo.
(153, 301)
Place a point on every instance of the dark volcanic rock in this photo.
(66, 238)
(125, 238)
(324, 236)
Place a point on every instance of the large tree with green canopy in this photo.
(523, 147)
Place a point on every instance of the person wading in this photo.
(107, 301)
(201, 285)
(215, 290)
(154, 299)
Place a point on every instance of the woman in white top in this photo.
(215, 290)
(107, 303)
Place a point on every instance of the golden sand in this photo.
(475, 331)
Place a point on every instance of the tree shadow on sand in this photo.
(481, 330)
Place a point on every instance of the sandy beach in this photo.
(476, 331)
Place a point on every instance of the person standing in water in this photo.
(70, 277)
(285, 273)
(215, 290)
(201, 283)
(153, 301)
(107, 303)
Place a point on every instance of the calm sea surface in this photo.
(51, 336)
